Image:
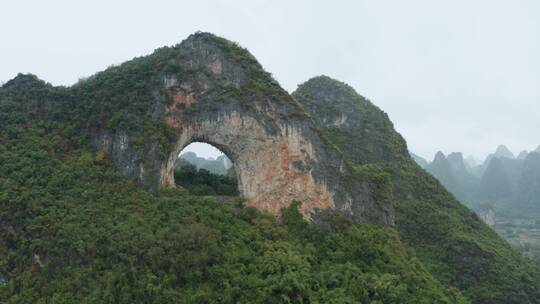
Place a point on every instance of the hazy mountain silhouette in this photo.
(220, 165)
(522, 155)
(495, 184)
(453, 172)
(501, 151)
(528, 198)
(511, 185)
(442, 170)
(471, 162)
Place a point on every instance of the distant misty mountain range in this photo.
(505, 183)
(220, 165)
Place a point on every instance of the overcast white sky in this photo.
(461, 75)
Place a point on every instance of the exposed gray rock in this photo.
(217, 93)
(487, 214)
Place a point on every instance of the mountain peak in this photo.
(522, 155)
(330, 89)
(503, 151)
(455, 156)
(25, 81)
(439, 156)
(322, 83)
(324, 80)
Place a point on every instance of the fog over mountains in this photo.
(502, 182)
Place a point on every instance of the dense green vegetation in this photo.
(73, 230)
(449, 239)
(204, 182)
(524, 234)
(510, 185)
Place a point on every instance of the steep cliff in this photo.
(73, 229)
(142, 113)
(450, 239)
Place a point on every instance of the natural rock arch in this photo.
(210, 90)
(272, 169)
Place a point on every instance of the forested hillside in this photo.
(449, 239)
(74, 230)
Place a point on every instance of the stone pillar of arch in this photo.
(212, 91)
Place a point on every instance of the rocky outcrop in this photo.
(328, 147)
(487, 214)
(212, 91)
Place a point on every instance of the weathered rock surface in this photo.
(217, 93)
(487, 214)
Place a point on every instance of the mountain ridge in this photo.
(424, 210)
(458, 258)
(498, 185)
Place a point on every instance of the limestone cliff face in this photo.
(210, 90)
(272, 170)
(487, 214)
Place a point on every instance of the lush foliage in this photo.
(524, 234)
(449, 239)
(73, 230)
(204, 182)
